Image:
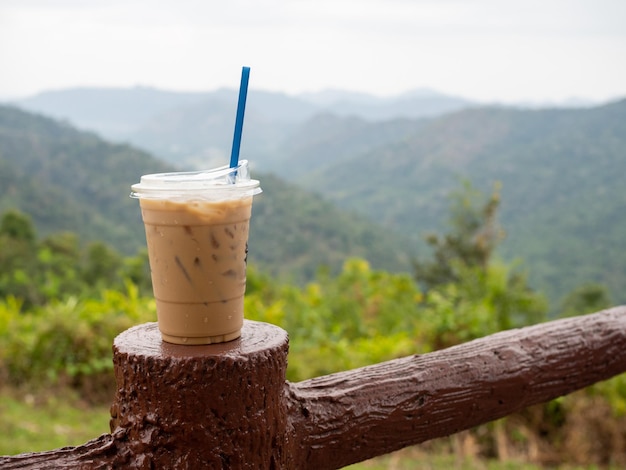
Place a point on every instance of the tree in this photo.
(586, 298)
(18, 260)
(18, 226)
(136, 269)
(102, 265)
(468, 292)
(471, 242)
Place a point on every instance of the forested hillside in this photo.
(327, 139)
(560, 170)
(68, 180)
(563, 196)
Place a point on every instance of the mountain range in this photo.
(195, 129)
(561, 170)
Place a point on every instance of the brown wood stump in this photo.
(215, 406)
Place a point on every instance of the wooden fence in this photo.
(228, 406)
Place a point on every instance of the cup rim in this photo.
(222, 180)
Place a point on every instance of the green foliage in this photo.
(61, 305)
(614, 391)
(363, 316)
(359, 317)
(482, 302)
(57, 266)
(587, 298)
(473, 294)
(102, 265)
(67, 340)
(17, 226)
(136, 269)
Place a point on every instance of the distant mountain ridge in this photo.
(192, 129)
(413, 104)
(111, 112)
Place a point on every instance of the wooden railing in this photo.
(228, 406)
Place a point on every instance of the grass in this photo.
(407, 460)
(415, 459)
(34, 423)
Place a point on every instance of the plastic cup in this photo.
(197, 236)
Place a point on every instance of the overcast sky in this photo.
(486, 50)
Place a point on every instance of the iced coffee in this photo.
(197, 234)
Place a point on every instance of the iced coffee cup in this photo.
(197, 235)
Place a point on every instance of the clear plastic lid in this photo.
(223, 182)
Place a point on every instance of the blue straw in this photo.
(241, 108)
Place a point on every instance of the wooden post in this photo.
(228, 406)
(216, 406)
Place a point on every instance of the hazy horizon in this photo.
(483, 50)
(571, 101)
